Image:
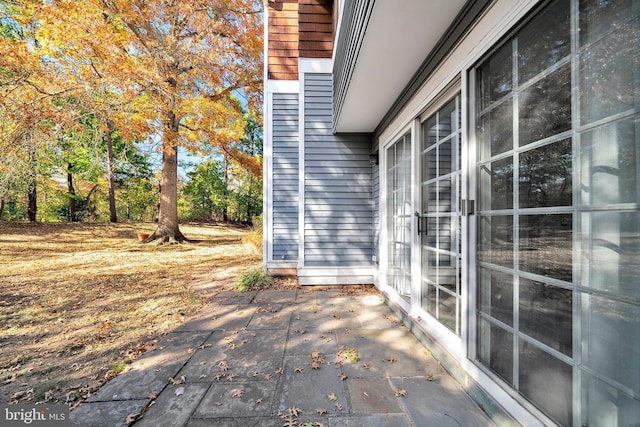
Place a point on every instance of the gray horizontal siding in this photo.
(286, 171)
(337, 207)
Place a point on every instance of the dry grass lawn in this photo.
(78, 302)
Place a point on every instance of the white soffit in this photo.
(399, 36)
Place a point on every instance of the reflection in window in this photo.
(545, 107)
(545, 245)
(546, 381)
(545, 176)
(495, 244)
(546, 314)
(495, 295)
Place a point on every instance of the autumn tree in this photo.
(193, 58)
(156, 68)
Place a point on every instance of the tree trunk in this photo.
(72, 194)
(32, 195)
(32, 205)
(168, 230)
(1, 207)
(225, 176)
(249, 199)
(90, 209)
(113, 217)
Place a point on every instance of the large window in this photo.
(558, 223)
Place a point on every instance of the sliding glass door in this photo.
(557, 117)
(399, 216)
(439, 219)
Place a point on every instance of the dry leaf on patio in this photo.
(401, 392)
(332, 396)
(131, 418)
(179, 391)
(180, 380)
(238, 392)
(321, 411)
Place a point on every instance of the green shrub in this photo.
(254, 280)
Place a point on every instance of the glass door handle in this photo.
(420, 227)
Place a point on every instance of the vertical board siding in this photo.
(285, 185)
(337, 185)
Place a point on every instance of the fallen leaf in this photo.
(321, 411)
(298, 369)
(339, 406)
(179, 391)
(366, 366)
(430, 377)
(152, 395)
(131, 418)
(238, 392)
(332, 396)
(390, 360)
(178, 381)
(390, 318)
(401, 392)
(259, 400)
(343, 376)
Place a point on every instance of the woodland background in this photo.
(99, 98)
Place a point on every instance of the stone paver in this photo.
(274, 357)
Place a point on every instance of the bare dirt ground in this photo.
(79, 302)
